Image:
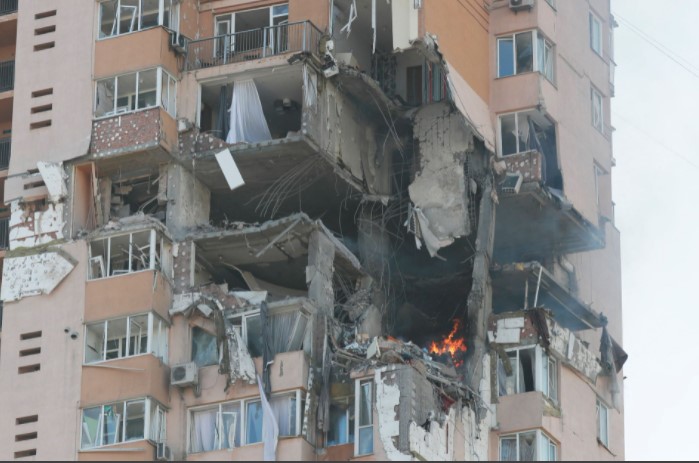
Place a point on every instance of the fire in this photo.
(451, 345)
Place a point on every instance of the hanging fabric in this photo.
(222, 126)
(248, 123)
(270, 428)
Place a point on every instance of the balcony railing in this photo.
(4, 233)
(301, 36)
(8, 6)
(5, 149)
(7, 75)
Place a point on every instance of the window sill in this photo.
(101, 363)
(126, 113)
(115, 447)
(116, 36)
(123, 274)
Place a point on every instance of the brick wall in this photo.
(528, 164)
(127, 132)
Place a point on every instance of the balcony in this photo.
(8, 6)
(254, 44)
(535, 219)
(7, 75)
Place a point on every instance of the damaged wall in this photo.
(189, 201)
(132, 132)
(34, 274)
(31, 226)
(439, 188)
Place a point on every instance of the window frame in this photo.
(348, 438)
(604, 440)
(536, 37)
(596, 21)
(357, 415)
(596, 95)
(154, 322)
(244, 316)
(242, 420)
(160, 75)
(517, 115)
(543, 442)
(158, 258)
(149, 406)
(172, 22)
(544, 377)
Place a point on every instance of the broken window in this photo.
(341, 429)
(126, 337)
(517, 54)
(121, 422)
(135, 91)
(215, 428)
(602, 423)
(597, 109)
(122, 254)
(364, 444)
(595, 34)
(527, 131)
(124, 16)
(531, 370)
(287, 327)
(204, 347)
(528, 446)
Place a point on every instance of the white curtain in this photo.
(248, 123)
(204, 431)
(283, 408)
(508, 449)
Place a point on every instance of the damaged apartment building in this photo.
(309, 230)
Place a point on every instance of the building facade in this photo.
(309, 230)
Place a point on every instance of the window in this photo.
(122, 422)
(204, 347)
(598, 172)
(341, 429)
(602, 423)
(123, 16)
(597, 109)
(131, 252)
(272, 20)
(531, 370)
(528, 446)
(287, 326)
(126, 337)
(232, 424)
(138, 90)
(517, 54)
(595, 34)
(363, 408)
(526, 131)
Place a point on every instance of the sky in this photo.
(656, 191)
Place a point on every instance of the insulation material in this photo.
(310, 87)
(472, 106)
(230, 169)
(241, 364)
(33, 275)
(182, 302)
(29, 227)
(54, 178)
(435, 443)
(508, 330)
(387, 402)
(248, 123)
(573, 351)
(251, 297)
(432, 242)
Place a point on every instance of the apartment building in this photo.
(309, 230)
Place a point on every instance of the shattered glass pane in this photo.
(204, 351)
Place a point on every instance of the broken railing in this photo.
(5, 149)
(8, 6)
(7, 75)
(4, 233)
(301, 36)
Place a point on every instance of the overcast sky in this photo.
(656, 190)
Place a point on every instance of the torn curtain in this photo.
(248, 123)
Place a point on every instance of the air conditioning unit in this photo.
(163, 452)
(186, 374)
(517, 5)
(178, 42)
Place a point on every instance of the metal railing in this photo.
(7, 75)
(5, 233)
(301, 36)
(8, 6)
(5, 150)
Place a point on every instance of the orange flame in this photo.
(451, 345)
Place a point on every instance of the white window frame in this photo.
(349, 401)
(518, 115)
(241, 319)
(160, 73)
(148, 405)
(546, 447)
(602, 423)
(156, 260)
(173, 19)
(155, 324)
(596, 43)
(597, 109)
(242, 418)
(537, 37)
(358, 383)
(545, 380)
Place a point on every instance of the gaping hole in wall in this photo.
(129, 252)
(354, 44)
(137, 194)
(409, 78)
(253, 110)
